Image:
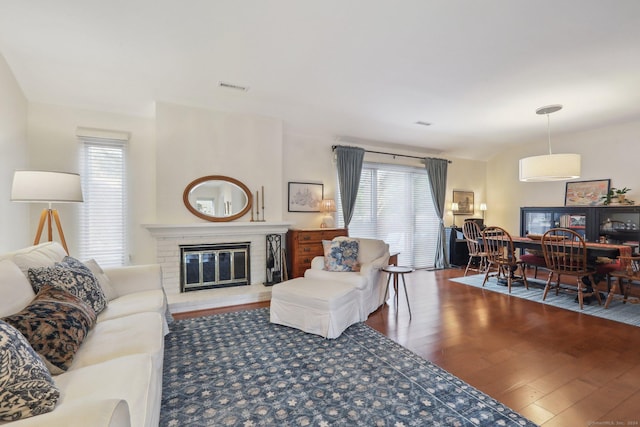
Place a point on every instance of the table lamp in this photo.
(483, 208)
(328, 206)
(454, 208)
(47, 187)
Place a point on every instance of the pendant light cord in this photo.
(549, 132)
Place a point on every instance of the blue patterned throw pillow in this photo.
(341, 254)
(73, 276)
(26, 386)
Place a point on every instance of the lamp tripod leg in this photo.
(60, 232)
(49, 216)
(44, 216)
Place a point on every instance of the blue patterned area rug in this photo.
(624, 313)
(237, 369)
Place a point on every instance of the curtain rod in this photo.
(333, 148)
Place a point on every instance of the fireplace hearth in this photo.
(207, 266)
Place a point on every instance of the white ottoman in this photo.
(321, 307)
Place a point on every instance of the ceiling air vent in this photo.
(233, 86)
(421, 123)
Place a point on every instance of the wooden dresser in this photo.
(304, 244)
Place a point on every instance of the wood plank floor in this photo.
(556, 367)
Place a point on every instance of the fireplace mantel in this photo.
(217, 229)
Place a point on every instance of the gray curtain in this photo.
(437, 172)
(349, 163)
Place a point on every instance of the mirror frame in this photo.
(195, 183)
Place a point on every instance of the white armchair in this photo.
(369, 281)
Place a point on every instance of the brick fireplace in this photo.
(170, 237)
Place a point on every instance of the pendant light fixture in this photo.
(550, 167)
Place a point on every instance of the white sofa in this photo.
(369, 282)
(115, 378)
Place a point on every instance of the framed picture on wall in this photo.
(305, 196)
(464, 199)
(586, 193)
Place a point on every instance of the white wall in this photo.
(53, 145)
(310, 159)
(14, 225)
(607, 153)
(194, 142)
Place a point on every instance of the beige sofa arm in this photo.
(83, 413)
(135, 278)
(317, 263)
(375, 265)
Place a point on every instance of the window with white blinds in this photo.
(394, 204)
(104, 211)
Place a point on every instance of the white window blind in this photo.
(104, 211)
(394, 204)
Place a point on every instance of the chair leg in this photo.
(466, 270)
(524, 276)
(547, 286)
(627, 290)
(580, 295)
(594, 289)
(614, 287)
(486, 275)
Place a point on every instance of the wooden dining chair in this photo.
(501, 256)
(565, 253)
(472, 233)
(624, 279)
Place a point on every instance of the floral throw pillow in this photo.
(55, 323)
(341, 254)
(73, 276)
(26, 386)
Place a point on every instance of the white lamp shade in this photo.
(483, 206)
(46, 187)
(550, 167)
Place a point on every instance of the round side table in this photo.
(395, 271)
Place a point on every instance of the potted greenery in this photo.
(616, 195)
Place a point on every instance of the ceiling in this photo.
(358, 70)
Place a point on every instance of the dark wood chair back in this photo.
(565, 251)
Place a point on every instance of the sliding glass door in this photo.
(394, 204)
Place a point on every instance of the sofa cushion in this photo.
(131, 378)
(26, 386)
(15, 290)
(139, 302)
(341, 254)
(105, 283)
(73, 276)
(109, 339)
(354, 279)
(55, 323)
(42, 255)
(371, 249)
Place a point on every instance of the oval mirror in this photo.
(217, 198)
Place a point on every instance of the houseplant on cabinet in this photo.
(617, 196)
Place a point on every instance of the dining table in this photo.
(601, 256)
(595, 250)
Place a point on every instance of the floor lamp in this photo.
(47, 187)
